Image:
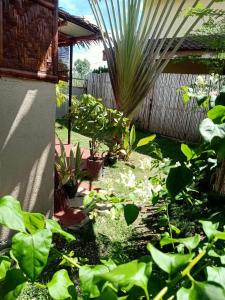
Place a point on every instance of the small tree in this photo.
(81, 68)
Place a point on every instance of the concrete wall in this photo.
(27, 119)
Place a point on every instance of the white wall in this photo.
(27, 120)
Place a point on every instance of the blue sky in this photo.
(82, 8)
(76, 7)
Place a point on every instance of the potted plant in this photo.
(103, 125)
(94, 161)
(69, 169)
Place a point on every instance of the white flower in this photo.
(145, 164)
(127, 179)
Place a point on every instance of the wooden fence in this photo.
(163, 110)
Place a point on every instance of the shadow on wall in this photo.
(27, 114)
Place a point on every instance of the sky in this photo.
(94, 52)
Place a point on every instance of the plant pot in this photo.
(70, 189)
(94, 167)
(110, 160)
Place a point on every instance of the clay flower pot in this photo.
(95, 167)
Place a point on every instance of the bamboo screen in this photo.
(163, 110)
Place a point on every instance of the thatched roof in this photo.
(76, 30)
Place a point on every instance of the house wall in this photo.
(188, 4)
(27, 110)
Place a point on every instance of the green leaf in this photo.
(170, 263)
(146, 141)
(134, 273)
(202, 290)
(88, 285)
(108, 293)
(187, 151)
(216, 274)
(132, 136)
(131, 213)
(31, 251)
(178, 179)
(13, 285)
(209, 228)
(174, 228)
(33, 221)
(61, 287)
(5, 264)
(54, 227)
(217, 113)
(209, 130)
(190, 242)
(11, 214)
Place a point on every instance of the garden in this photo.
(153, 206)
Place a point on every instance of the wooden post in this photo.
(70, 91)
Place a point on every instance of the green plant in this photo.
(130, 144)
(118, 206)
(135, 48)
(30, 250)
(61, 93)
(103, 125)
(69, 169)
(192, 270)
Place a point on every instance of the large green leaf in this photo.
(146, 141)
(54, 227)
(131, 212)
(178, 179)
(13, 285)
(217, 114)
(11, 214)
(33, 221)
(108, 294)
(5, 264)
(31, 251)
(126, 276)
(210, 228)
(216, 274)
(209, 130)
(202, 291)
(190, 242)
(88, 285)
(170, 263)
(61, 287)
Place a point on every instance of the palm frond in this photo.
(134, 33)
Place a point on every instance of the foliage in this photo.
(103, 125)
(133, 48)
(100, 70)
(194, 268)
(81, 68)
(61, 93)
(69, 169)
(130, 144)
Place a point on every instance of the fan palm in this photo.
(138, 37)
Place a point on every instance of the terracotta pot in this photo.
(94, 167)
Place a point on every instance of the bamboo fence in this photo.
(163, 110)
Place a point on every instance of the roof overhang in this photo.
(76, 30)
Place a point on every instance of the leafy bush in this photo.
(192, 270)
(103, 125)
